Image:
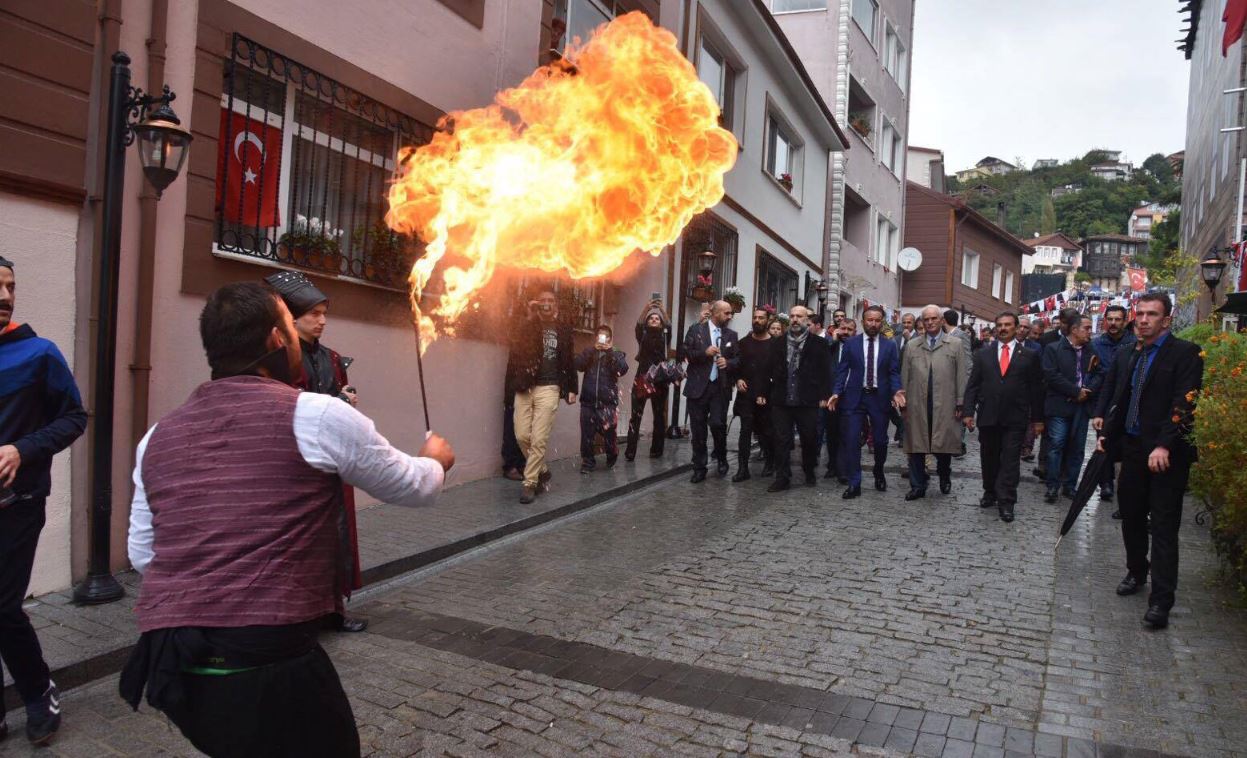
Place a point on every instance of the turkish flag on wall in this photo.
(1234, 17)
(248, 167)
(1138, 279)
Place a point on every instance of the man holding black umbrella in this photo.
(1149, 403)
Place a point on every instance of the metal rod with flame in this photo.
(570, 172)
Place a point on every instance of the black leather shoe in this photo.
(1040, 473)
(987, 501)
(1051, 496)
(946, 486)
(629, 457)
(1067, 492)
(842, 479)
(1106, 497)
(767, 470)
(779, 485)
(1006, 512)
(1117, 514)
(699, 476)
(347, 624)
(1130, 585)
(723, 468)
(1156, 617)
(881, 484)
(654, 454)
(1028, 458)
(741, 475)
(830, 474)
(811, 479)
(852, 492)
(915, 494)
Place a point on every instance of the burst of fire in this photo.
(572, 171)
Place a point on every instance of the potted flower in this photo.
(734, 298)
(703, 288)
(785, 179)
(383, 250)
(860, 123)
(313, 243)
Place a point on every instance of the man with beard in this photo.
(1006, 392)
(1145, 414)
(234, 527)
(868, 383)
(713, 353)
(1072, 374)
(324, 372)
(653, 333)
(799, 384)
(1106, 346)
(934, 376)
(40, 415)
(540, 371)
(750, 405)
(831, 416)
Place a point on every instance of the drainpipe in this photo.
(140, 367)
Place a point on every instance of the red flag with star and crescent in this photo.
(248, 167)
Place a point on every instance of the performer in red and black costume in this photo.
(324, 372)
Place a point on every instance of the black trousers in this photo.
(831, 431)
(658, 410)
(292, 708)
(1143, 494)
(20, 525)
(512, 456)
(1000, 450)
(755, 423)
(709, 411)
(595, 421)
(805, 418)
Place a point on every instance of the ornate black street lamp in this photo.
(163, 145)
(1211, 269)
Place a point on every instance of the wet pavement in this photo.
(717, 618)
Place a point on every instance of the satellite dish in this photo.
(909, 259)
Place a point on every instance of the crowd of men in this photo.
(931, 379)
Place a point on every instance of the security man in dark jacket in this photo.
(1145, 415)
(800, 384)
(40, 415)
(713, 353)
(1073, 375)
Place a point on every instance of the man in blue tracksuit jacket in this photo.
(40, 415)
(1106, 346)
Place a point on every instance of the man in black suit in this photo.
(1046, 337)
(800, 384)
(713, 353)
(1145, 415)
(1073, 376)
(831, 418)
(1006, 391)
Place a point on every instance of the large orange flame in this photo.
(572, 171)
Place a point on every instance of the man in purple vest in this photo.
(234, 526)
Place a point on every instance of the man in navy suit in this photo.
(868, 383)
(713, 353)
(1073, 376)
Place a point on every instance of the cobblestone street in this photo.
(715, 618)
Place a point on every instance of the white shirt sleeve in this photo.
(139, 544)
(335, 438)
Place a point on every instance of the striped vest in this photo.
(245, 531)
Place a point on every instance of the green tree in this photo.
(1164, 241)
(1047, 219)
(1158, 166)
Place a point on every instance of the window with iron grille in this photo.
(777, 284)
(303, 168)
(705, 232)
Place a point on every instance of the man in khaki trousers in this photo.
(539, 373)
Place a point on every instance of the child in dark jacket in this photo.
(602, 365)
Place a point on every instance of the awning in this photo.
(1235, 304)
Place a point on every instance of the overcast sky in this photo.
(1047, 79)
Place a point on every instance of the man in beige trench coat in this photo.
(934, 372)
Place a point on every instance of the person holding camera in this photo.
(540, 371)
(324, 372)
(602, 366)
(653, 334)
(40, 415)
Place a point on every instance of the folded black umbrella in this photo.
(1086, 488)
